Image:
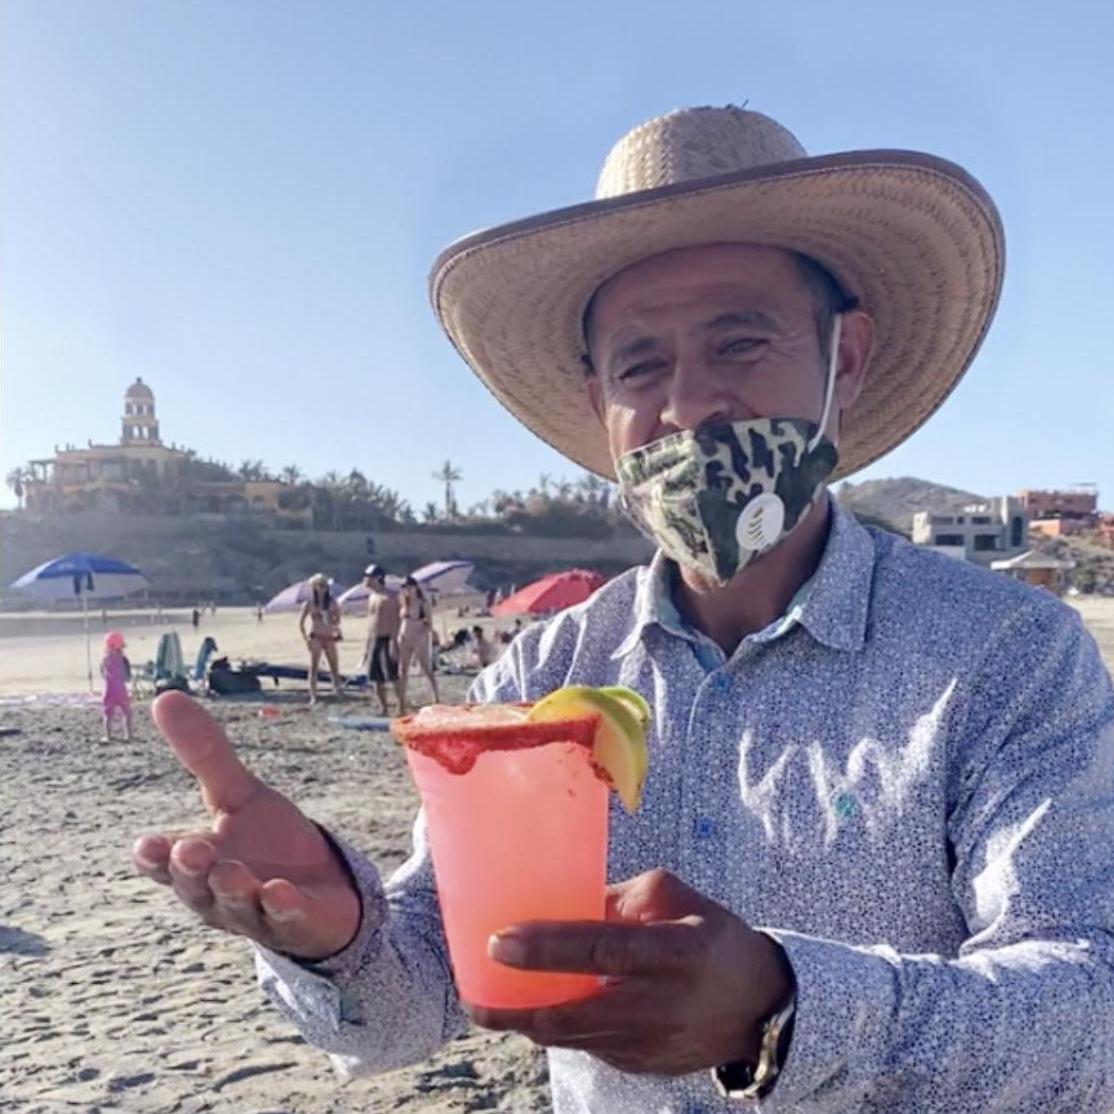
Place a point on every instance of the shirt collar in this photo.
(833, 606)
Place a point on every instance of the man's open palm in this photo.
(262, 869)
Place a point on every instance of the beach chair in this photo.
(208, 649)
(142, 680)
(170, 673)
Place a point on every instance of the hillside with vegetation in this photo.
(893, 503)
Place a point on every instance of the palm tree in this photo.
(449, 475)
(17, 479)
(250, 470)
(430, 513)
(386, 500)
(544, 480)
(593, 487)
(356, 484)
(291, 474)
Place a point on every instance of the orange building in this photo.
(1060, 527)
(1080, 502)
(1104, 530)
(1039, 570)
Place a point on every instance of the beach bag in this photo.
(225, 681)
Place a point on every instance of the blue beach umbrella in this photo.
(83, 576)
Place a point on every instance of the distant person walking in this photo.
(196, 617)
(415, 636)
(116, 671)
(323, 615)
(383, 623)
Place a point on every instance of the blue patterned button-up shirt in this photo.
(908, 781)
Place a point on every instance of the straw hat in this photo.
(914, 237)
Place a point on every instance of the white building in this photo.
(982, 532)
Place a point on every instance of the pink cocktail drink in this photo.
(517, 825)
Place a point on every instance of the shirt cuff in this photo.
(343, 965)
(846, 1000)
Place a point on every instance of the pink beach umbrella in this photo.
(292, 597)
(354, 601)
(444, 577)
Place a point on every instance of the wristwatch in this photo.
(742, 1081)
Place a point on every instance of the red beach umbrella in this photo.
(551, 593)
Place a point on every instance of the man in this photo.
(870, 871)
(383, 622)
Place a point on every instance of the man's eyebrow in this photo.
(742, 318)
(628, 351)
(642, 346)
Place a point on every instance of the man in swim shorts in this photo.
(383, 621)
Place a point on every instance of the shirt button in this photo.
(349, 1008)
(703, 827)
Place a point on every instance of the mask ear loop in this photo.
(829, 388)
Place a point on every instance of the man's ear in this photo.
(856, 343)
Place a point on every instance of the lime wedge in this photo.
(633, 700)
(619, 748)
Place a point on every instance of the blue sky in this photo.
(240, 203)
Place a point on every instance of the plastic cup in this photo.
(520, 836)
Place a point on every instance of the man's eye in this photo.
(635, 371)
(740, 345)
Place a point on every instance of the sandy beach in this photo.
(111, 996)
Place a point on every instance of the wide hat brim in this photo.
(914, 237)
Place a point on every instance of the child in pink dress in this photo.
(116, 671)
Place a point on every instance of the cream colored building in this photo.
(982, 532)
(142, 475)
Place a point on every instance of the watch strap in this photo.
(744, 1082)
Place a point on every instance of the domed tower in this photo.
(140, 426)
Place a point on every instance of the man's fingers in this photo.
(282, 902)
(203, 748)
(603, 1017)
(656, 895)
(592, 947)
(151, 858)
(190, 861)
(235, 905)
(313, 923)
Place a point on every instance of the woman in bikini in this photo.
(323, 614)
(414, 636)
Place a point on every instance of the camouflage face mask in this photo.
(713, 498)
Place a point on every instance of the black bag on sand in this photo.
(225, 681)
